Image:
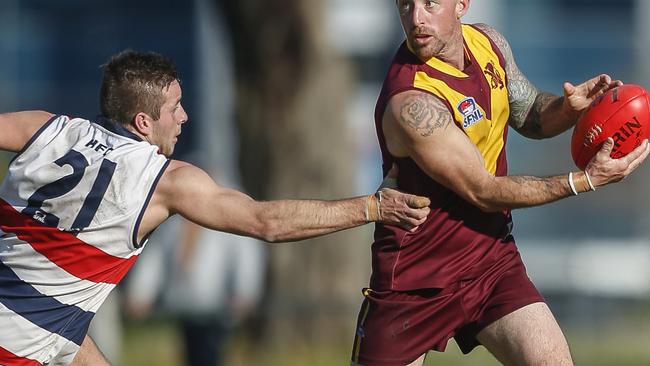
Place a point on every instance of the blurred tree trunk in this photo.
(292, 93)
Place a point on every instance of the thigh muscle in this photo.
(527, 336)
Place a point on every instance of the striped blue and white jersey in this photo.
(70, 207)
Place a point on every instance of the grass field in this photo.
(157, 344)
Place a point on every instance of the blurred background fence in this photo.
(281, 94)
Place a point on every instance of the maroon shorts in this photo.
(395, 327)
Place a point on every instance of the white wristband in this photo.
(378, 195)
(367, 211)
(591, 185)
(572, 185)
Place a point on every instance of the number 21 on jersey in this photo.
(67, 183)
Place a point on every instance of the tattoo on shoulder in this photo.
(522, 94)
(424, 114)
(498, 39)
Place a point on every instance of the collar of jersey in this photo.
(440, 65)
(116, 128)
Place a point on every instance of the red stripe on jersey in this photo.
(9, 359)
(64, 249)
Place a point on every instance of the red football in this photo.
(622, 113)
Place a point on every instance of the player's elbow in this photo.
(488, 207)
(534, 135)
(258, 220)
(483, 203)
(481, 196)
(269, 230)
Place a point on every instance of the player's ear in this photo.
(461, 8)
(143, 123)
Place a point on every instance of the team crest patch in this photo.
(496, 81)
(470, 111)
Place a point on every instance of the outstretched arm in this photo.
(18, 127)
(419, 125)
(189, 191)
(538, 114)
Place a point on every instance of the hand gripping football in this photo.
(622, 113)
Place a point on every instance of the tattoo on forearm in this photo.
(548, 184)
(421, 113)
(532, 191)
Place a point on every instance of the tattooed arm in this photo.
(538, 114)
(418, 125)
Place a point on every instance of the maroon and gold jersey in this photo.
(458, 240)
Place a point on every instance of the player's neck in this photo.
(453, 53)
(130, 128)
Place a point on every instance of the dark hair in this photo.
(133, 82)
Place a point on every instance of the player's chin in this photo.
(424, 52)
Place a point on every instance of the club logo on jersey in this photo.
(470, 111)
(496, 81)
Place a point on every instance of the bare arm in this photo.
(419, 125)
(189, 191)
(18, 127)
(538, 114)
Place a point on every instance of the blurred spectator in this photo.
(207, 280)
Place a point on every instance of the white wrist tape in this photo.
(591, 185)
(373, 207)
(572, 185)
